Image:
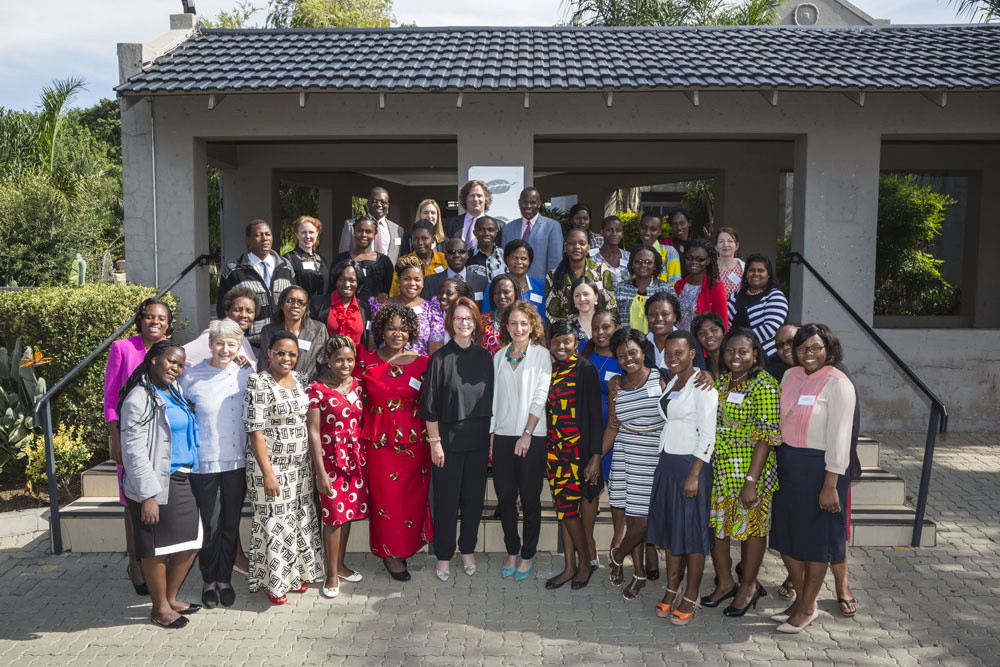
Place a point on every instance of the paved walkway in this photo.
(918, 607)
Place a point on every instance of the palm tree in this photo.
(674, 12)
(51, 112)
(984, 10)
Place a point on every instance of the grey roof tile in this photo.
(527, 59)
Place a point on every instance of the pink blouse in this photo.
(124, 357)
(817, 412)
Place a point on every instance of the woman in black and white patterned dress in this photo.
(285, 545)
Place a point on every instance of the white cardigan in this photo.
(520, 392)
(691, 416)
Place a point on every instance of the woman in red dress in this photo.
(395, 440)
(334, 421)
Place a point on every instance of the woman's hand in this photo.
(829, 499)
(271, 488)
(150, 512)
(593, 470)
(381, 298)
(437, 454)
(748, 495)
(704, 380)
(323, 485)
(116, 443)
(690, 489)
(522, 446)
(242, 361)
(491, 445)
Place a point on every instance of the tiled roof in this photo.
(566, 58)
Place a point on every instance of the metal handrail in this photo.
(43, 411)
(939, 412)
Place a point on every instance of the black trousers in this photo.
(220, 502)
(460, 483)
(513, 476)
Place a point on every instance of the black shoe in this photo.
(739, 578)
(398, 576)
(739, 572)
(577, 585)
(177, 623)
(733, 612)
(552, 584)
(140, 589)
(653, 575)
(210, 598)
(227, 596)
(191, 609)
(708, 602)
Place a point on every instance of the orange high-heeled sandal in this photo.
(663, 608)
(678, 617)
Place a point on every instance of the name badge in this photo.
(807, 399)
(672, 395)
(438, 269)
(653, 392)
(352, 397)
(397, 241)
(309, 266)
(478, 296)
(418, 309)
(736, 397)
(608, 375)
(304, 344)
(735, 276)
(415, 383)
(537, 298)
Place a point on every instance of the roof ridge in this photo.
(570, 28)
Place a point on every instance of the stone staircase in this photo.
(879, 517)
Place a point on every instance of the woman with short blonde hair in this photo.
(310, 268)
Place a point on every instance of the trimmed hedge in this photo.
(67, 323)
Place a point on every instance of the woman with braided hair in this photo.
(701, 291)
(430, 317)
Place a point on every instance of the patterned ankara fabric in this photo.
(557, 299)
(285, 544)
(563, 440)
(490, 333)
(431, 319)
(688, 296)
(343, 456)
(399, 459)
(747, 414)
(620, 272)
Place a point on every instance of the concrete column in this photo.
(247, 194)
(141, 262)
(491, 142)
(986, 305)
(835, 219)
(325, 215)
(748, 202)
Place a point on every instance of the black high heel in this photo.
(140, 589)
(398, 576)
(708, 602)
(739, 577)
(733, 612)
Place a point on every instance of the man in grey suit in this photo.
(456, 253)
(544, 235)
(388, 235)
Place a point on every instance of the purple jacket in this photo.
(124, 357)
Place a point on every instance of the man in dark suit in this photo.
(475, 197)
(544, 235)
(456, 254)
(388, 235)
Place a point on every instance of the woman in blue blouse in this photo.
(519, 256)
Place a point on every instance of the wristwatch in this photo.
(750, 478)
(526, 432)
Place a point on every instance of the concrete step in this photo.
(868, 450)
(100, 481)
(887, 526)
(878, 487)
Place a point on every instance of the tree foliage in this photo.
(908, 279)
(671, 12)
(978, 10)
(308, 14)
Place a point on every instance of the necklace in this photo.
(601, 365)
(737, 381)
(637, 385)
(753, 292)
(348, 383)
(514, 361)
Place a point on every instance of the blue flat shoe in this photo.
(521, 576)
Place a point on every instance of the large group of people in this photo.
(390, 384)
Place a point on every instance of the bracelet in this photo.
(438, 439)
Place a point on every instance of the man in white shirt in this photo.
(475, 197)
(388, 235)
(543, 234)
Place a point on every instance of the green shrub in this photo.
(700, 202)
(19, 391)
(72, 457)
(630, 223)
(68, 323)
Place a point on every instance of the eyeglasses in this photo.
(816, 348)
(466, 320)
(294, 302)
(456, 251)
(643, 262)
(781, 345)
(281, 353)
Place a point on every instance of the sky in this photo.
(44, 40)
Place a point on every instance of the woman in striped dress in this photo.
(634, 426)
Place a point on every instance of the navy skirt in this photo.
(676, 523)
(799, 527)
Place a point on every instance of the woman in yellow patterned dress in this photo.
(744, 467)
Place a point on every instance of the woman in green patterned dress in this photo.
(744, 467)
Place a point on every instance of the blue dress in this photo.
(535, 296)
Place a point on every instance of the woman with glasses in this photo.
(701, 291)
(456, 403)
(632, 295)
(759, 305)
(292, 316)
(809, 518)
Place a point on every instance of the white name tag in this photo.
(304, 344)
(418, 309)
(735, 276)
(438, 269)
(309, 266)
(415, 383)
(352, 397)
(736, 397)
(478, 296)
(397, 241)
(672, 395)
(608, 375)
(537, 298)
(807, 399)
(653, 392)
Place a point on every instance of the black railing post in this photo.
(50, 470)
(925, 475)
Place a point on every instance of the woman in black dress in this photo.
(310, 267)
(377, 268)
(456, 404)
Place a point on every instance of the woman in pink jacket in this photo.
(154, 322)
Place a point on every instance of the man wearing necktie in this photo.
(388, 235)
(475, 197)
(544, 235)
